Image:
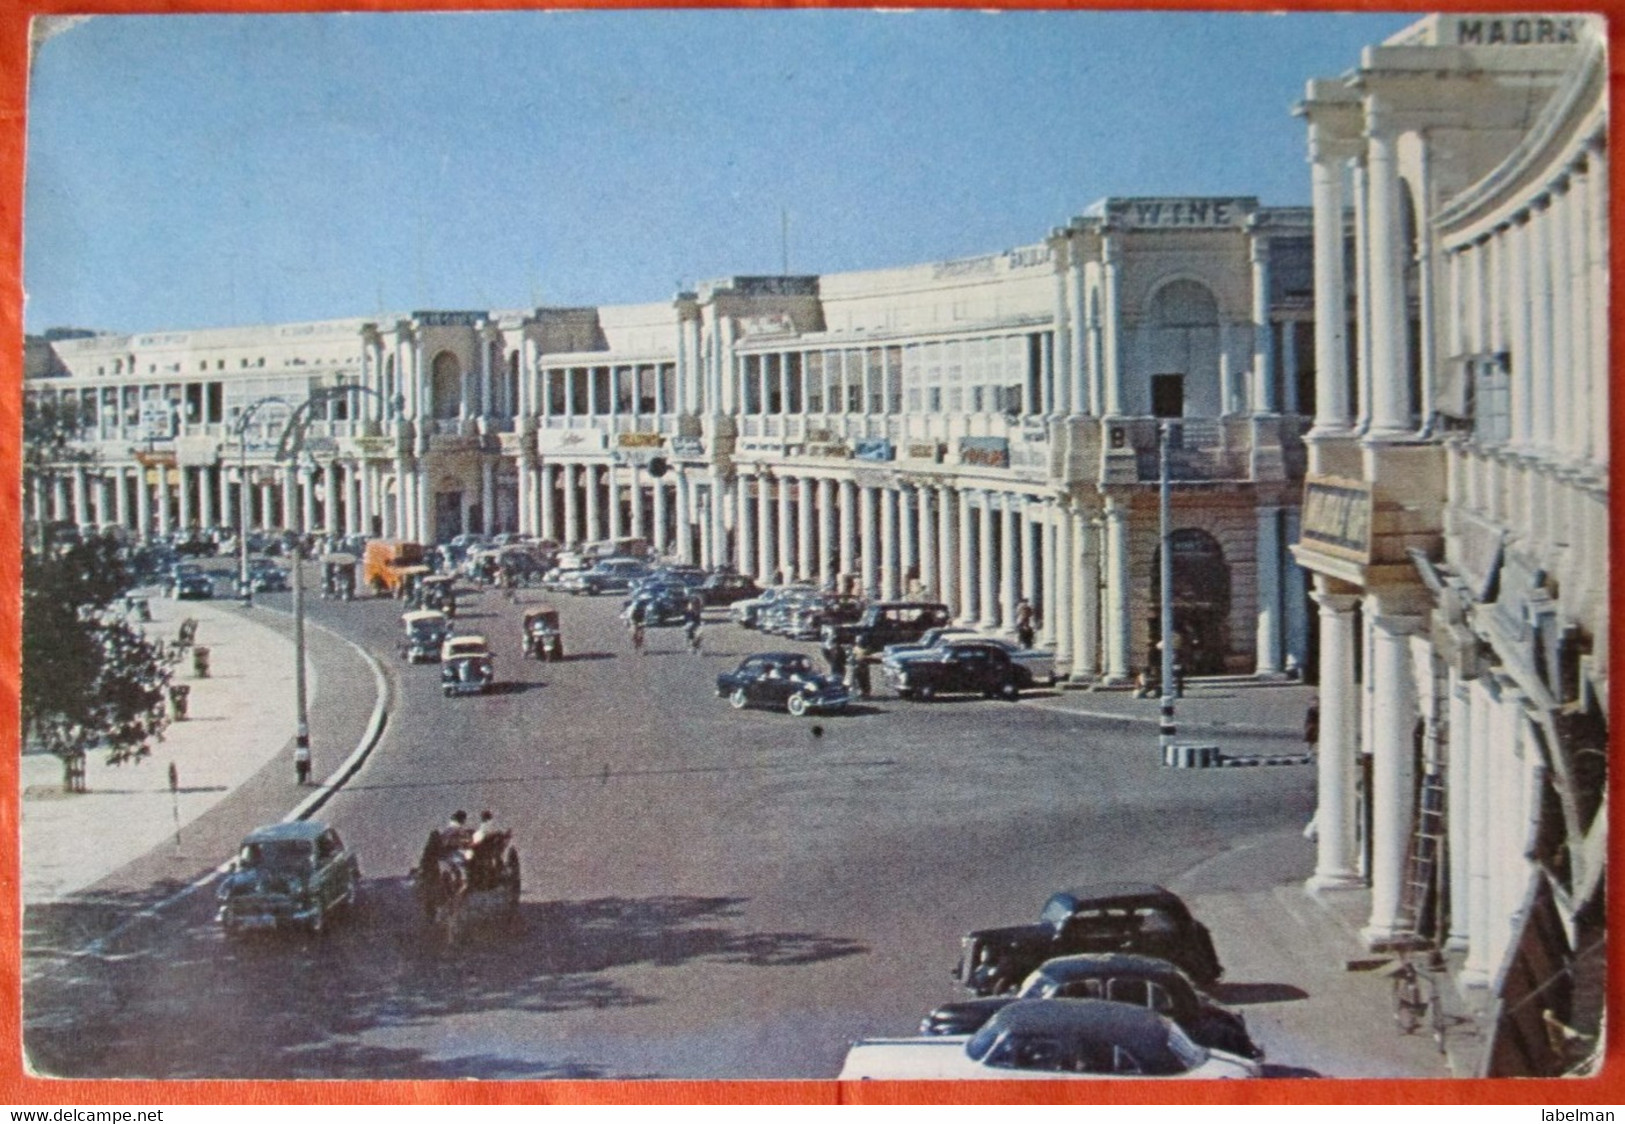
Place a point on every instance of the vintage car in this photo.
(543, 636)
(893, 622)
(930, 640)
(425, 631)
(749, 614)
(265, 576)
(438, 591)
(981, 666)
(662, 605)
(1049, 1039)
(725, 589)
(808, 620)
(1110, 917)
(611, 575)
(1144, 981)
(466, 666)
(288, 875)
(786, 679)
(190, 581)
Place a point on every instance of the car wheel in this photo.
(925, 692)
(1010, 692)
(797, 705)
(737, 700)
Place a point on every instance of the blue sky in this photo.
(195, 171)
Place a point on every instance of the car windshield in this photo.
(426, 629)
(283, 856)
(801, 666)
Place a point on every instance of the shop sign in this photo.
(446, 319)
(321, 446)
(762, 445)
(164, 458)
(1476, 31)
(688, 446)
(1337, 517)
(1179, 213)
(834, 449)
(570, 440)
(985, 452)
(872, 449)
(372, 446)
(924, 451)
(157, 419)
(639, 440)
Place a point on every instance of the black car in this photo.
(893, 622)
(191, 581)
(787, 679)
(959, 666)
(1132, 917)
(1144, 981)
(725, 589)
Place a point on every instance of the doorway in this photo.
(1168, 396)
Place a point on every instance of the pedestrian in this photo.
(301, 763)
(1024, 623)
(830, 646)
(858, 670)
(635, 619)
(1311, 728)
(693, 616)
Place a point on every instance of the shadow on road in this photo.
(183, 1002)
(1244, 994)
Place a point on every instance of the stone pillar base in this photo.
(1385, 938)
(1333, 883)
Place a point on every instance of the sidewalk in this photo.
(238, 720)
(1295, 964)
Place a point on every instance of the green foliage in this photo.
(89, 679)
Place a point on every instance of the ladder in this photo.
(1417, 915)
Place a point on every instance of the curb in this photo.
(1211, 757)
(336, 780)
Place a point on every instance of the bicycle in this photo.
(693, 633)
(637, 638)
(1416, 998)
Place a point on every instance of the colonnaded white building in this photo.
(1456, 511)
(981, 430)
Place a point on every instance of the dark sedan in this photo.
(191, 581)
(1144, 981)
(787, 679)
(725, 589)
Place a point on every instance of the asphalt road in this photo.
(709, 893)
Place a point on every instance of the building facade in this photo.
(1456, 508)
(980, 430)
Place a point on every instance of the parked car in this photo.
(1111, 917)
(466, 666)
(749, 614)
(983, 666)
(265, 576)
(725, 589)
(778, 619)
(808, 620)
(787, 679)
(190, 581)
(931, 639)
(1049, 1039)
(1144, 981)
(663, 605)
(612, 575)
(893, 622)
(425, 632)
(285, 875)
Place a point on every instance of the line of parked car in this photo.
(1106, 984)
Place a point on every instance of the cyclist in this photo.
(636, 621)
(693, 614)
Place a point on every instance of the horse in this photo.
(447, 875)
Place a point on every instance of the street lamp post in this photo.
(1166, 577)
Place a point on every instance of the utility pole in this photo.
(1166, 729)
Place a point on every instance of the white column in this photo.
(1480, 752)
(612, 488)
(848, 511)
(161, 497)
(888, 543)
(1390, 372)
(1576, 426)
(104, 500)
(1111, 288)
(227, 515)
(744, 526)
(906, 558)
(1458, 811)
(1077, 392)
(1058, 617)
(929, 553)
(1362, 296)
(828, 549)
(1117, 625)
(718, 509)
(1597, 281)
(307, 496)
(1049, 608)
(1516, 238)
(1393, 765)
(659, 502)
(1289, 367)
(1009, 562)
(121, 496)
(1268, 586)
(639, 523)
(597, 525)
(1294, 594)
(807, 559)
(948, 552)
(1086, 598)
(1263, 388)
(871, 547)
(1544, 374)
(1336, 861)
(1029, 551)
(765, 565)
(783, 542)
(1058, 402)
(968, 551)
(574, 531)
(81, 499)
(545, 479)
(987, 559)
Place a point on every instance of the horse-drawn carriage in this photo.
(455, 871)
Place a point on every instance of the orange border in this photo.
(17, 1087)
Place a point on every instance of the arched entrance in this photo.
(1201, 601)
(448, 386)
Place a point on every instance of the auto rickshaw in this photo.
(410, 588)
(338, 577)
(437, 591)
(544, 640)
(426, 630)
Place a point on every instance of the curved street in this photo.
(708, 893)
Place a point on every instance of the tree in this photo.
(89, 679)
(52, 429)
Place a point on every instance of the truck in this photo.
(383, 562)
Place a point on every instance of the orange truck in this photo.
(382, 565)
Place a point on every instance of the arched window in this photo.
(1181, 359)
(447, 386)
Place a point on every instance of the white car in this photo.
(1050, 1039)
